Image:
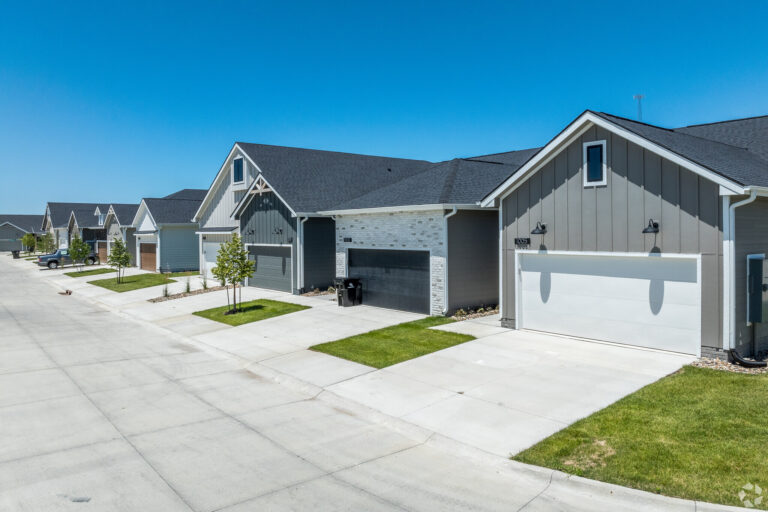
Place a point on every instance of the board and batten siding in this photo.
(473, 264)
(225, 197)
(751, 238)
(178, 249)
(319, 259)
(268, 221)
(640, 186)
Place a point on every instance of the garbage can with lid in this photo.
(349, 291)
(15, 254)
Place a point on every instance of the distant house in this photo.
(87, 221)
(14, 227)
(166, 238)
(56, 220)
(118, 225)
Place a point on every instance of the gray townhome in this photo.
(14, 227)
(87, 221)
(118, 225)
(166, 239)
(271, 196)
(631, 233)
(424, 244)
(56, 220)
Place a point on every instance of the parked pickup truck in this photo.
(61, 257)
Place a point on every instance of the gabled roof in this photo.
(750, 133)
(174, 208)
(516, 158)
(85, 214)
(124, 213)
(28, 223)
(451, 183)
(60, 212)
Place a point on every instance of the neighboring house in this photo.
(166, 239)
(118, 225)
(57, 217)
(271, 195)
(87, 221)
(424, 244)
(631, 233)
(14, 227)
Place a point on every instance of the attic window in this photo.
(101, 219)
(237, 170)
(595, 168)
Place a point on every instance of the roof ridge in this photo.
(449, 180)
(333, 152)
(722, 122)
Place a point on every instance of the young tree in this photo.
(223, 269)
(79, 250)
(119, 257)
(29, 241)
(46, 243)
(242, 267)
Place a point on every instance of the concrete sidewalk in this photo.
(150, 418)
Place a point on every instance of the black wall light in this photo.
(652, 227)
(540, 229)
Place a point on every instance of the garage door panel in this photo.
(148, 256)
(392, 279)
(210, 253)
(647, 301)
(272, 267)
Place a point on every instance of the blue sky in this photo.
(111, 102)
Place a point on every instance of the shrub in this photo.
(187, 287)
(460, 312)
(331, 289)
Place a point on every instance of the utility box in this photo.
(757, 298)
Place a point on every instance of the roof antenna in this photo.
(639, 98)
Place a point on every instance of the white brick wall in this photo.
(404, 231)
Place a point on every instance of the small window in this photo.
(101, 219)
(595, 168)
(237, 171)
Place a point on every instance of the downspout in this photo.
(300, 263)
(732, 267)
(445, 244)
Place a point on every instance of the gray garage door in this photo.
(392, 279)
(273, 267)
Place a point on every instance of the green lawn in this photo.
(93, 272)
(132, 282)
(392, 345)
(698, 434)
(252, 311)
(184, 274)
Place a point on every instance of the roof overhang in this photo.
(574, 130)
(257, 188)
(408, 208)
(142, 206)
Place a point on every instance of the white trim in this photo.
(248, 196)
(431, 283)
(14, 225)
(728, 271)
(446, 216)
(584, 169)
(501, 260)
(400, 209)
(248, 279)
(576, 129)
(732, 261)
(300, 252)
(518, 280)
(225, 233)
(232, 171)
(136, 217)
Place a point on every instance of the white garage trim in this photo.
(689, 307)
(293, 287)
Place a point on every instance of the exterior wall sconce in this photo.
(540, 229)
(652, 227)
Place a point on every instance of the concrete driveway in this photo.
(103, 412)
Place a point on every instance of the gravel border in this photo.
(725, 366)
(470, 316)
(186, 294)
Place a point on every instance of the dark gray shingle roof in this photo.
(84, 214)
(738, 164)
(29, 223)
(516, 158)
(60, 212)
(750, 133)
(194, 194)
(125, 212)
(175, 211)
(311, 180)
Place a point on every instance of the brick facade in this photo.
(423, 230)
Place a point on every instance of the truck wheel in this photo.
(53, 264)
(90, 261)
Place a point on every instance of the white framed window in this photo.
(102, 217)
(238, 171)
(595, 168)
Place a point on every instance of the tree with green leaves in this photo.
(232, 268)
(119, 257)
(47, 244)
(223, 269)
(29, 241)
(79, 250)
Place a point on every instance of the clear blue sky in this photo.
(114, 101)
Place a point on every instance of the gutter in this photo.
(731, 265)
(445, 244)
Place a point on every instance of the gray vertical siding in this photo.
(640, 185)
(473, 258)
(266, 220)
(178, 249)
(10, 238)
(130, 244)
(751, 238)
(319, 253)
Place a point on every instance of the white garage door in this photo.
(649, 301)
(210, 251)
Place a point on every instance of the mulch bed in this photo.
(725, 366)
(318, 293)
(475, 314)
(186, 294)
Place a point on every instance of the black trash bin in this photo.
(349, 291)
(15, 254)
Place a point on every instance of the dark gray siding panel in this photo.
(179, 249)
(473, 256)
(10, 238)
(272, 267)
(267, 220)
(751, 238)
(640, 185)
(319, 253)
